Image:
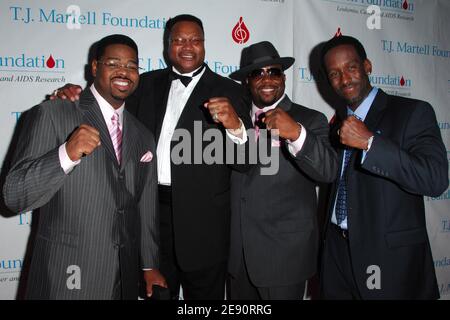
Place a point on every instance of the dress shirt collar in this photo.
(190, 74)
(363, 109)
(265, 109)
(106, 108)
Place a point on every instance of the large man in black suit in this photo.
(194, 198)
(274, 234)
(376, 243)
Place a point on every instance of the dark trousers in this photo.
(242, 288)
(337, 279)
(205, 284)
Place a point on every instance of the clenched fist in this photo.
(83, 141)
(354, 133)
(287, 127)
(223, 112)
(69, 91)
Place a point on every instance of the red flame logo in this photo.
(405, 5)
(240, 32)
(338, 32)
(50, 62)
(402, 81)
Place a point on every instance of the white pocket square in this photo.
(147, 157)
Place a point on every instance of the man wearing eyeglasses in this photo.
(274, 235)
(87, 166)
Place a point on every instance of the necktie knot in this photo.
(258, 118)
(115, 118)
(259, 114)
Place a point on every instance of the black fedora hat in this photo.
(257, 56)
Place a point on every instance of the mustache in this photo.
(188, 51)
(352, 84)
(121, 78)
(268, 87)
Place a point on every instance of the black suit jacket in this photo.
(274, 217)
(200, 192)
(386, 216)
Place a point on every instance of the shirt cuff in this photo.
(294, 147)
(235, 134)
(66, 163)
(364, 152)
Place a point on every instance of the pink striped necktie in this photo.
(256, 122)
(116, 136)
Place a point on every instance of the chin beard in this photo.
(270, 102)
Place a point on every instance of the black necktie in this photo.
(185, 80)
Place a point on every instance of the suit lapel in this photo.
(376, 110)
(130, 136)
(162, 89)
(94, 117)
(285, 104)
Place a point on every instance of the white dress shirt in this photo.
(178, 96)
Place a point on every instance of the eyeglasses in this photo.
(114, 65)
(183, 41)
(272, 73)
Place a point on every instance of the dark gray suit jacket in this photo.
(386, 214)
(274, 216)
(101, 217)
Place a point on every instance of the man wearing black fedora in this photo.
(274, 234)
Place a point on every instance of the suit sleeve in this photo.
(317, 158)
(419, 165)
(150, 217)
(240, 102)
(35, 174)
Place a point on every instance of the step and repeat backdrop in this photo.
(45, 44)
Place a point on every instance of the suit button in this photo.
(120, 211)
(121, 176)
(116, 246)
(243, 199)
